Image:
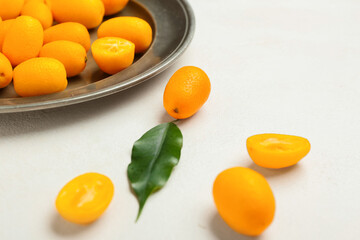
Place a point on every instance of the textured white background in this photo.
(275, 66)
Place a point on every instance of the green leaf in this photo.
(153, 157)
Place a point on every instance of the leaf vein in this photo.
(157, 154)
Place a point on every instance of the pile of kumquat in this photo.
(39, 56)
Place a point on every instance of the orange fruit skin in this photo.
(47, 2)
(134, 29)
(277, 150)
(85, 198)
(114, 6)
(4, 28)
(244, 200)
(40, 11)
(23, 40)
(70, 31)
(41, 1)
(71, 54)
(186, 92)
(113, 54)
(90, 13)
(39, 76)
(6, 71)
(10, 8)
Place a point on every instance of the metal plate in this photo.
(173, 25)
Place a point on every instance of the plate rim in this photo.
(121, 86)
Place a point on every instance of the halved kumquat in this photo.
(277, 150)
(113, 54)
(85, 198)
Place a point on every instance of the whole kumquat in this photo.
(6, 71)
(39, 76)
(244, 200)
(114, 6)
(71, 54)
(4, 28)
(90, 13)
(40, 11)
(70, 31)
(23, 40)
(134, 29)
(10, 8)
(26, 1)
(185, 93)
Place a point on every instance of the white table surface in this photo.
(278, 66)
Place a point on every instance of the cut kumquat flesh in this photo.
(277, 150)
(113, 54)
(85, 198)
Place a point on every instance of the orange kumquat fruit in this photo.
(39, 76)
(113, 54)
(71, 54)
(277, 150)
(185, 93)
(134, 29)
(244, 200)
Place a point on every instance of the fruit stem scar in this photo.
(2, 74)
(176, 110)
